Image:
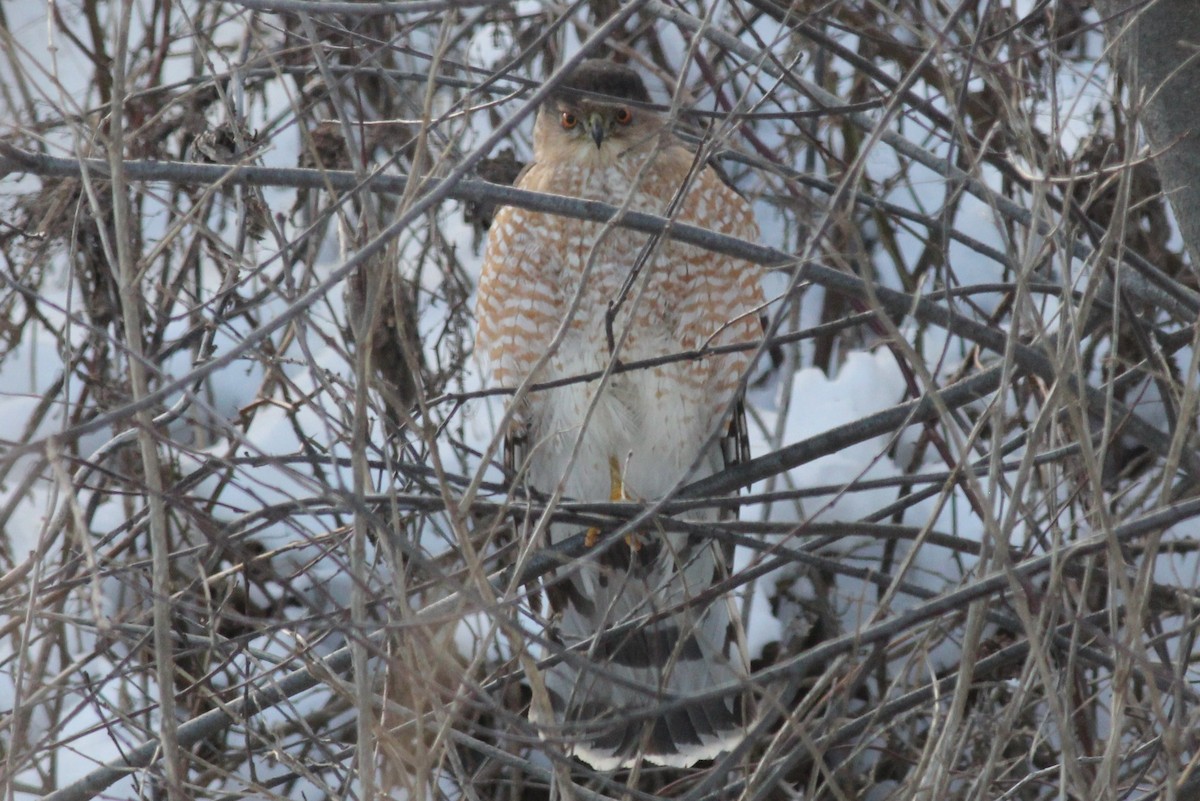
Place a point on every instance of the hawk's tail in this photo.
(644, 687)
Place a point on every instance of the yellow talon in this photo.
(617, 493)
(617, 486)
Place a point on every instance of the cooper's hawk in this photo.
(641, 639)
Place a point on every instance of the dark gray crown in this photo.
(599, 77)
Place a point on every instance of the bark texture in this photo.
(1156, 48)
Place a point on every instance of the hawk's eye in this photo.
(624, 116)
(569, 120)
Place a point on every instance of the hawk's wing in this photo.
(735, 445)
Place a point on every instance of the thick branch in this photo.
(1031, 360)
(1156, 48)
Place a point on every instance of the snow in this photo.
(864, 384)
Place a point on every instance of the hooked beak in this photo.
(596, 126)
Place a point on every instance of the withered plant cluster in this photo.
(255, 536)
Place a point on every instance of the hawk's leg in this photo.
(616, 492)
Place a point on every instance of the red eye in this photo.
(569, 120)
(624, 116)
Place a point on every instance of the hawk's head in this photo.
(600, 105)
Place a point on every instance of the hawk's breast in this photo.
(549, 286)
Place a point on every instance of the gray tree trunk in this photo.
(1156, 46)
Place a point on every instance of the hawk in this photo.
(559, 298)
